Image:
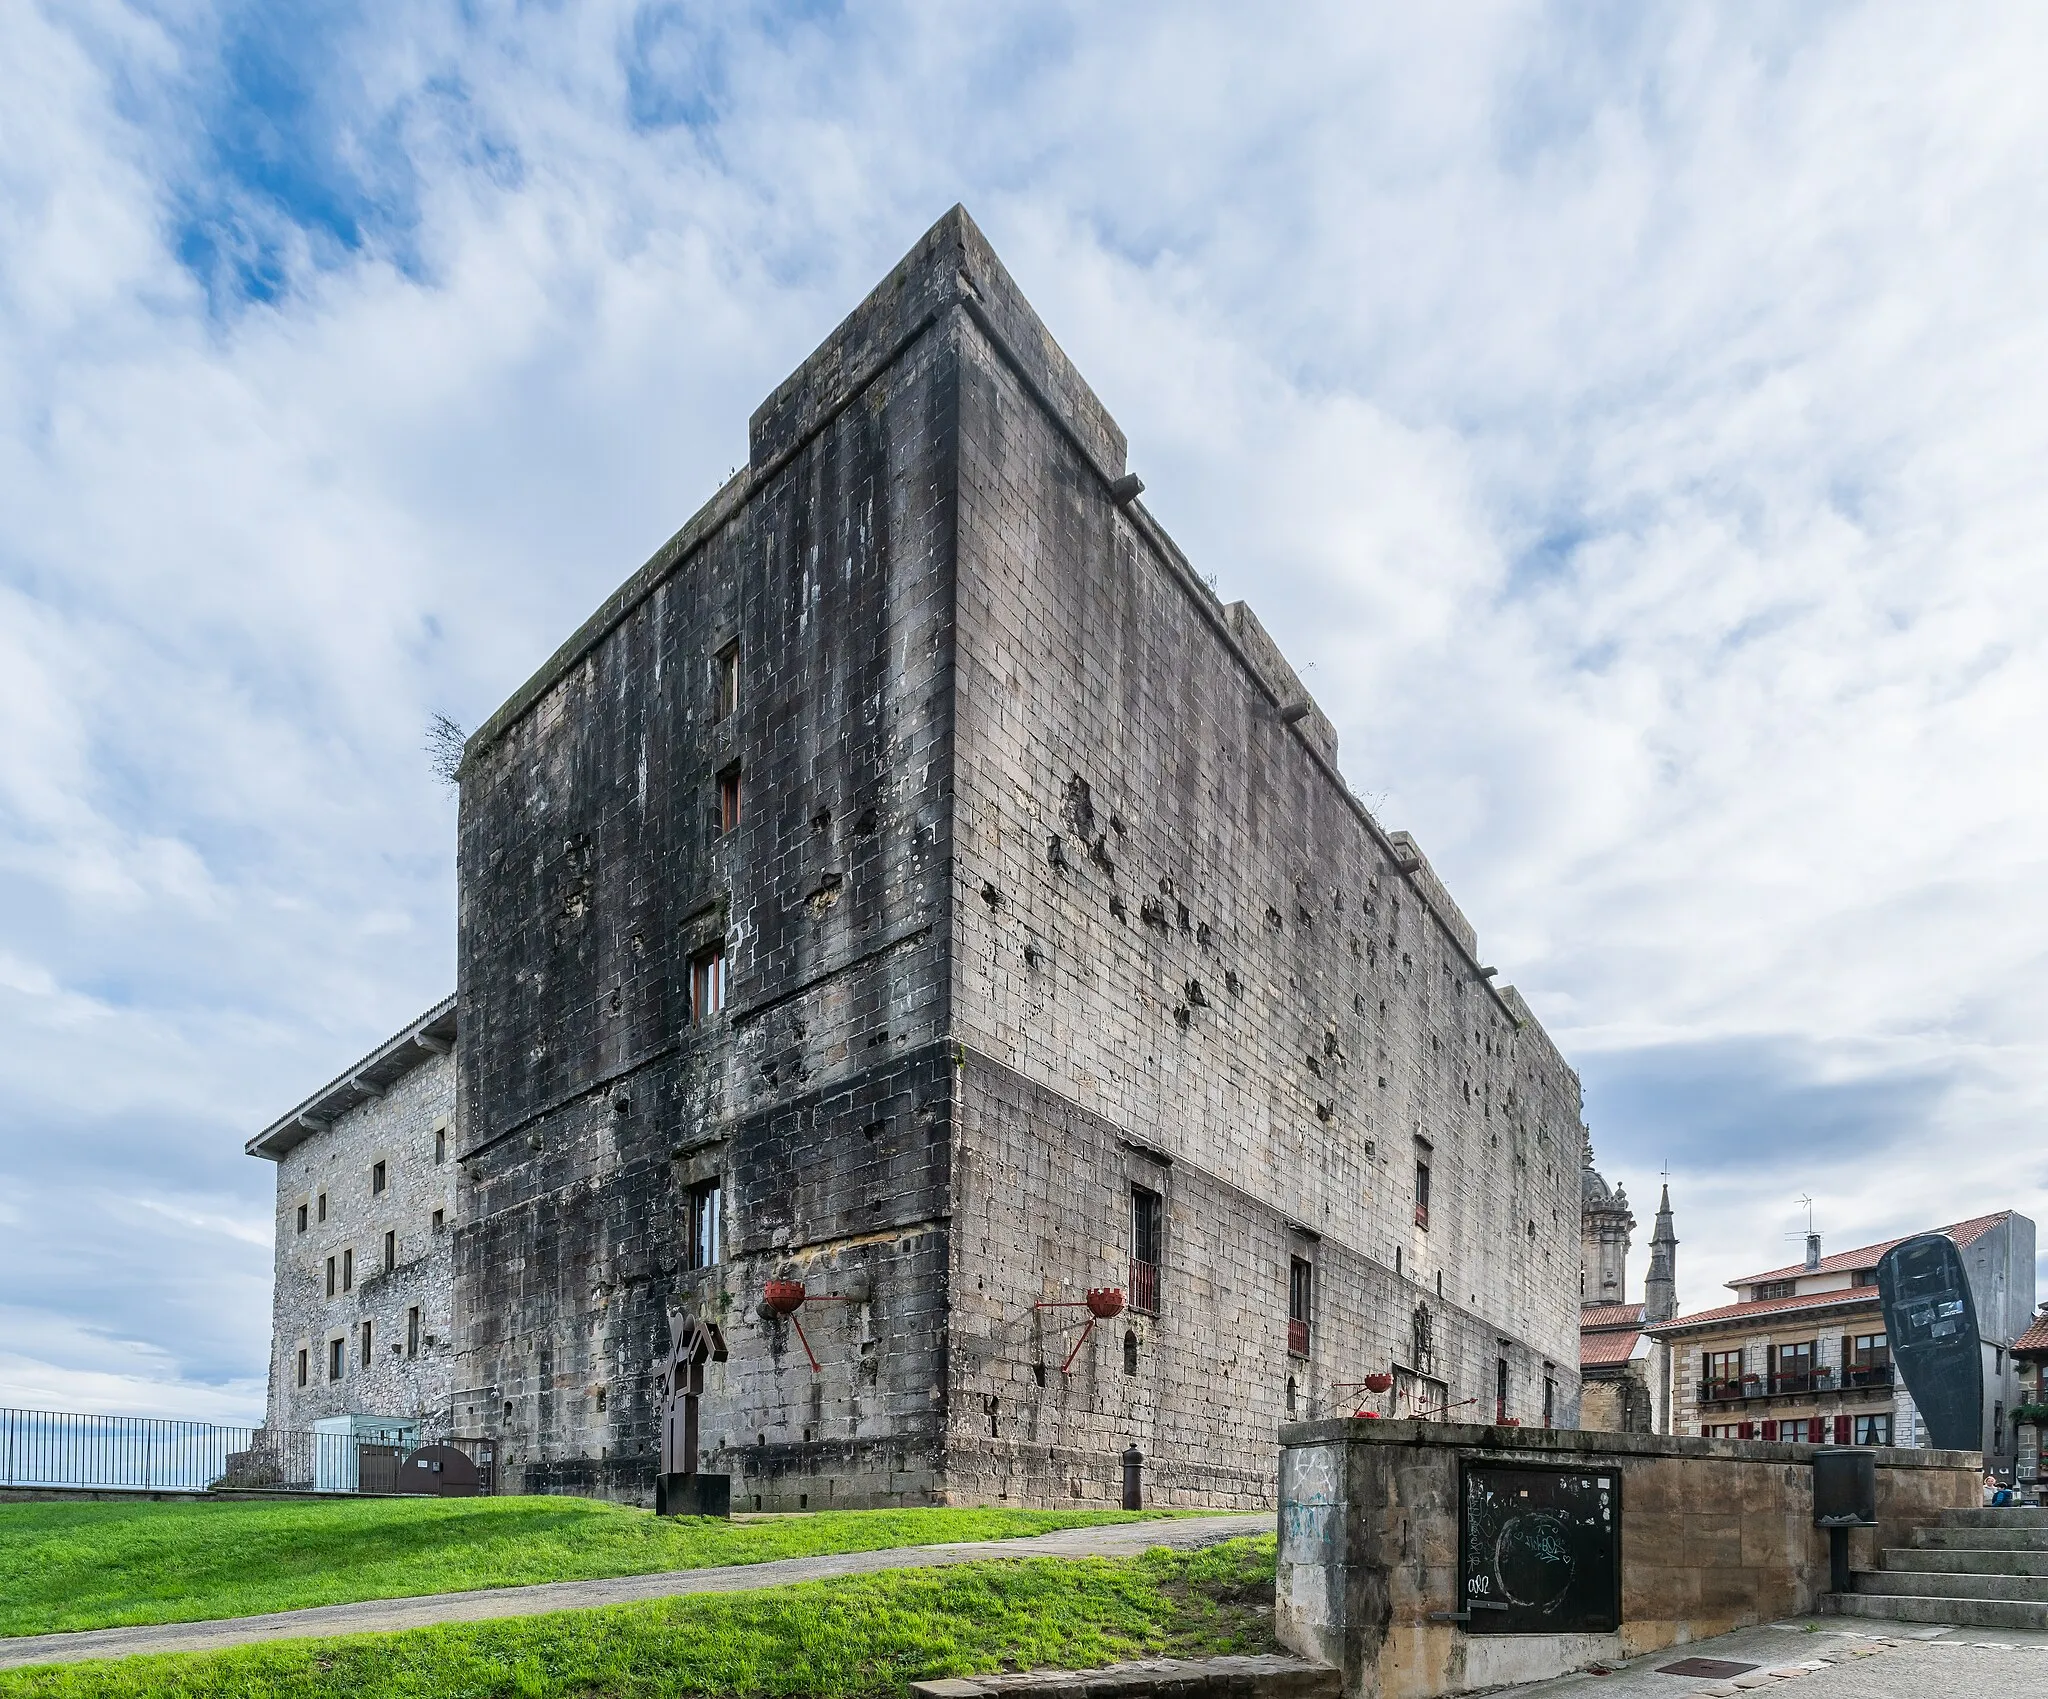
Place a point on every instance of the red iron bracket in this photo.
(1102, 1303)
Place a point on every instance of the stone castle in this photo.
(912, 906)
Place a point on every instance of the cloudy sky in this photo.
(1635, 414)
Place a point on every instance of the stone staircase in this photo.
(1973, 1568)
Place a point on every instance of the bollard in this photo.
(1134, 1479)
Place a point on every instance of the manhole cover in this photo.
(1705, 1666)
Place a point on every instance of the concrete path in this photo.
(382, 1616)
(1829, 1658)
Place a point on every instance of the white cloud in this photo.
(1633, 418)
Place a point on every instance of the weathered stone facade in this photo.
(389, 1118)
(1035, 883)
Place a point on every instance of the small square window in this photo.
(376, 1178)
(440, 1220)
(728, 801)
(302, 1365)
(708, 983)
(390, 1251)
(725, 681)
(348, 1271)
(302, 1218)
(335, 1357)
(323, 1206)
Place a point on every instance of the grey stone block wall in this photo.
(398, 1130)
(1034, 882)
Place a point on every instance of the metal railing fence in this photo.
(61, 1448)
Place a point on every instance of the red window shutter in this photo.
(1749, 1430)
(1841, 1430)
(1770, 1430)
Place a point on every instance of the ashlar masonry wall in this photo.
(1186, 958)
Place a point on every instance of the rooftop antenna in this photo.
(1812, 1234)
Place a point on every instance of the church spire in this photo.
(1660, 1285)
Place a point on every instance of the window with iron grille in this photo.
(1300, 1296)
(1148, 1233)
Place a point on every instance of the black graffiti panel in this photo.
(1539, 1550)
(1932, 1326)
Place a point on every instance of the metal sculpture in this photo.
(1931, 1324)
(679, 1383)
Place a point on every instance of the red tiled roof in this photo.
(1866, 1256)
(1610, 1315)
(1849, 1295)
(1602, 1350)
(2034, 1339)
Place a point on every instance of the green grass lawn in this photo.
(67, 1566)
(859, 1638)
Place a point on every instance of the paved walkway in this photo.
(1823, 1658)
(382, 1616)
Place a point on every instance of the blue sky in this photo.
(1633, 417)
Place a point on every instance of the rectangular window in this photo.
(1724, 1375)
(330, 1277)
(1500, 1389)
(302, 1218)
(412, 1331)
(1869, 1360)
(348, 1271)
(1549, 1402)
(335, 1358)
(1723, 1430)
(1774, 1289)
(1874, 1430)
(440, 1145)
(706, 1224)
(725, 682)
(377, 1179)
(366, 1344)
(323, 1206)
(707, 983)
(390, 1250)
(728, 801)
(1423, 1153)
(1147, 1236)
(440, 1219)
(302, 1365)
(1792, 1367)
(1300, 1295)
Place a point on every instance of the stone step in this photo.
(1958, 1613)
(1263, 1677)
(1996, 1516)
(1939, 1584)
(1983, 1539)
(1966, 1560)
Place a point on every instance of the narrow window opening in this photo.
(335, 1358)
(377, 1178)
(728, 801)
(440, 1220)
(348, 1271)
(412, 1331)
(600, 1400)
(366, 1344)
(725, 681)
(1300, 1294)
(1130, 1352)
(1422, 1194)
(1549, 1402)
(1290, 1395)
(706, 1223)
(302, 1218)
(707, 983)
(302, 1365)
(323, 1206)
(390, 1250)
(1500, 1389)
(440, 1146)
(1147, 1233)
(330, 1277)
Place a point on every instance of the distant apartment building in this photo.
(1803, 1355)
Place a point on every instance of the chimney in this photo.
(1813, 1250)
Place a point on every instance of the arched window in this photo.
(1290, 1395)
(1130, 1351)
